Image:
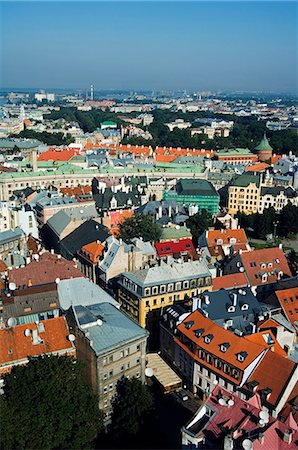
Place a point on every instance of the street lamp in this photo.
(275, 225)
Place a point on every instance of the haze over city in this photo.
(141, 45)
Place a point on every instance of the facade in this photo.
(277, 198)
(144, 293)
(196, 192)
(244, 194)
(111, 345)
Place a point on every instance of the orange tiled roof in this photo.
(3, 266)
(275, 158)
(288, 298)
(213, 236)
(260, 167)
(117, 217)
(229, 281)
(93, 251)
(260, 338)
(268, 260)
(57, 154)
(221, 336)
(76, 191)
(274, 372)
(15, 346)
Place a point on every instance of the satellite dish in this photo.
(149, 372)
(99, 322)
(12, 322)
(215, 382)
(241, 269)
(27, 332)
(222, 402)
(57, 281)
(263, 415)
(12, 286)
(71, 337)
(247, 444)
(261, 422)
(231, 402)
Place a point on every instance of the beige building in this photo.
(244, 194)
(111, 345)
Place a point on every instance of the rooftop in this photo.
(113, 329)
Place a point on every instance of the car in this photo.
(182, 395)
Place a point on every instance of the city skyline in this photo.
(248, 46)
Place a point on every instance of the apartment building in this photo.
(277, 197)
(111, 345)
(143, 293)
(244, 194)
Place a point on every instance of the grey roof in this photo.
(195, 187)
(81, 291)
(218, 302)
(49, 200)
(114, 329)
(10, 235)
(59, 221)
(21, 143)
(275, 191)
(245, 180)
(167, 273)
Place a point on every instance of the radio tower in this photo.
(91, 93)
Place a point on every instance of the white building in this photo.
(277, 197)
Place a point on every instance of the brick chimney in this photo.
(288, 436)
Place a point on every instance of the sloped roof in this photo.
(229, 281)
(259, 167)
(46, 270)
(273, 372)
(258, 262)
(92, 251)
(115, 330)
(226, 236)
(221, 336)
(15, 346)
(288, 299)
(169, 247)
(264, 144)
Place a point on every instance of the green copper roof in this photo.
(264, 144)
(235, 152)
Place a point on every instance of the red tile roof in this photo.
(288, 299)
(291, 406)
(225, 236)
(221, 336)
(268, 260)
(92, 251)
(229, 281)
(169, 247)
(77, 191)
(46, 270)
(117, 217)
(273, 437)
(260, 167)
(57, 154)
(16, 346)
(273, 372)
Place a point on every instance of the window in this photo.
(218, 364)
(147, 303)
(185, 284)
(111, 358)
(105, 389)
(147, 291)
(127, 351)
(105, 376)
(138, 374)
(178, 286)
(155, 302)
(154, 290)
(170, 287)
(110, 373)
(110, 386)
(138, 347)
(162, 289)
(162, 300)
(122, 354)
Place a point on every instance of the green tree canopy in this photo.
(48, 404)
(199, 222)
(140, 225)
(132, 406)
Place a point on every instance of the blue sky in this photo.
(158, 45)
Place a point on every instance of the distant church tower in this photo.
(91, 93)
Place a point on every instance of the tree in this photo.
(199, 222)
(139, 225)
(132, 406)
(263, 223)
(48, 404)
(288, 220)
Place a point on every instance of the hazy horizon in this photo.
(193, 46)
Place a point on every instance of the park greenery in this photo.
(48, 404)
(45, 137)
(283, 224)
(247, 131)
(140, 225)
(198, 223)
(133, 409)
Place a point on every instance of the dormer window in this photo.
(219, 241)
(244, 307)
(269, 265)
(280, 274)
(241, 356)
(231, 308)
(199, 332)
(189, 324)
(263, 266)
(224, 347)
(264, 278)
(208, 338)
(276, 261)
(233, 241)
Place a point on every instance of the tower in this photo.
(264, 149)
(22, 115)
(91, 92)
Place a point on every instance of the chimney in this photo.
(160, 211)
(234, 299)
(288, 436)
(228, 443)
(261, 438)
(280, 246)
(170, 210)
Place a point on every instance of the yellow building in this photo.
(244, 194)
(142, 293)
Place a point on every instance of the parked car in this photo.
(182, 395)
